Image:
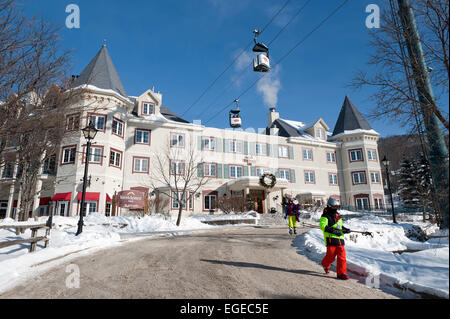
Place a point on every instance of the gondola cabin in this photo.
(261, 63)
(235, 119)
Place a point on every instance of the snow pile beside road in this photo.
(389, 255)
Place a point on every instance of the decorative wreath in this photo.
(267, 180)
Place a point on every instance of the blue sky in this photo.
(180, 47)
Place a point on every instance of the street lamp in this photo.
(89, 133)
(386, 162)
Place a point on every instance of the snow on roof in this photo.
(105, 91)
(357, 131)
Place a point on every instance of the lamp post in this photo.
(386, 162)
(89, 133)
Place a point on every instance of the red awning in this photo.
(89, 196)
(44, 201)
(108, 199)
(61, 196)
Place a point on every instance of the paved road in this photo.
(244, 262)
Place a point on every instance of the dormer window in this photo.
(320, 133)
(148, 108)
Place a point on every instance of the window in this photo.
(378, 203)
(333, 178)
(372, 155)
(209, 144)
(95, 155)
(117, 127)
(148, 108)
(309, 177)
(362, 203)
(307, 154)
(284, 174)
(210, 170)
(176, 168)
(49, 166)
(283, 151)
(235, 171)
(8, 170)
(140, 164)
(73, 122)
(89, 207)
(356, 155)
(99, 121)
(235, 146)
(176, 140)
(261, 170)
(142, 137)
(115, 158)
(261, 149)
(331, 157)
(176, 200)
(209, 202)
(320, 133)
(375, 177)
(359, 177)
(68, 155)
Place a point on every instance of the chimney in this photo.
(273, 115)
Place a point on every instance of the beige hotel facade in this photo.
(309, 161)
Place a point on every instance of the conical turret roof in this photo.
(101, 73)
(350, 119)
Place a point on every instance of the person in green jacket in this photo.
(333, 232)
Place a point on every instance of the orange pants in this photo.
(332, 252)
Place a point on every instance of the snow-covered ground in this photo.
(99, 232)
(424, 271)
(390, 258)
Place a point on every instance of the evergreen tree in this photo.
(407, 180)
(424, 185)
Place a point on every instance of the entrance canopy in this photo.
(252, 182)
(61, 197)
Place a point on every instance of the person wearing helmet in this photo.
(333, 231)
(290, 212)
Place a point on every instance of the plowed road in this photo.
(239, 262)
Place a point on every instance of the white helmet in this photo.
(332, 202)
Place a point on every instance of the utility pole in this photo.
(438, 153)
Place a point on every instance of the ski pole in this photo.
(365, 233)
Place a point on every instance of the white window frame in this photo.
(72, 149)
(359, 181)
(148, 106)
(320, 133)
(114, 155)
(94, 156)
(208, 171)
(261, 170)
(237, 169)
(307, 154)
(178, 141)
(177, 167)
(118, 128)
(375, 177)
(378, 203)
(235, 146)
(96, 121)
(333, 179)
(284, 173)
(356, 151)
(209, 144)
(141, 160)
(372, 155)
(143, 133)
(283, 151)
(310, 177)
(261, 149)
(209, 199)
(331, 157)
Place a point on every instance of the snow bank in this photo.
(386, 254)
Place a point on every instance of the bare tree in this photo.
(390, 67)
(178, 174)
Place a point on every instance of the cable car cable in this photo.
(235, 59)
(243, 72)
(285, 55)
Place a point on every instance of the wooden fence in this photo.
(33, 240)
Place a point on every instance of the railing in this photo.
(33, 240)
